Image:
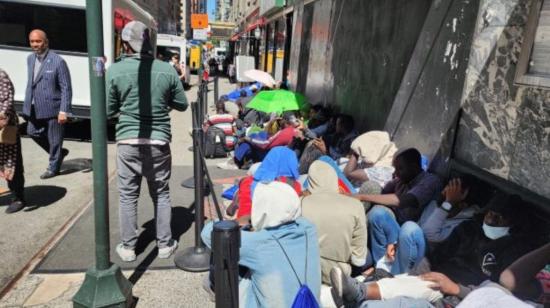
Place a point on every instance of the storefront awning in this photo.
(260, 22)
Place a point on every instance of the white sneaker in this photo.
(166, 252)
(125, 254)
(228, 165)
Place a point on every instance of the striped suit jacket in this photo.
(51, 89)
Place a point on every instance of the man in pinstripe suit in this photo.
(47, 100)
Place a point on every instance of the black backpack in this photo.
(214, 143)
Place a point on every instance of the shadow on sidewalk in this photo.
(75, 165)
(182, 219)
(38, 196)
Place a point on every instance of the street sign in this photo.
(199, 21)
(200, 34)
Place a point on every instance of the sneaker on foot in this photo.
(166, 252)
(125, 254)
(228, 165)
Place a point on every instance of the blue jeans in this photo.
(384, 230)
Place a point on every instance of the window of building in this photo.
(533, 67)
(65, 27)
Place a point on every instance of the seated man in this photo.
(439, 219)
(280, 252)
(476, 251)
(371, 159)
(318, 124)
(338, 144)
(254, 148)
(280, 164)
(403, 198)
(339, 219)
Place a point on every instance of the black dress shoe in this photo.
(64, 152)
(48, 174)
(15, 206)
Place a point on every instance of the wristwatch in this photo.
(446, 206)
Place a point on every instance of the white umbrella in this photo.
(261, 76)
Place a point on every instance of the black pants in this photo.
(17, 183)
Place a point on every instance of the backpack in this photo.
(214, 143)
(304, 298)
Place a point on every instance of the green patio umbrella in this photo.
(277, 101)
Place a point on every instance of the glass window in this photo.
(533, 67)
(165, 53)
(280, 39)
(65, 27)
(540, 58)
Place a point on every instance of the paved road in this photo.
(54, 202)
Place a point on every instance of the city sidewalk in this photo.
(57, 276)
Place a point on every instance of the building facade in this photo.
(223, 10)
(165, 12)
(466, 82)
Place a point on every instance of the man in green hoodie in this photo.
(142, 91)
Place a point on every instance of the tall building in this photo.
(165, 12)
(223, 10)
(192, 7)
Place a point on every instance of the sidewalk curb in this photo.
(50, 244)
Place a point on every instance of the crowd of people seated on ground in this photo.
(322, 205)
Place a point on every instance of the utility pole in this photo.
(104, 284)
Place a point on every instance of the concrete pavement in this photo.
(57, 204)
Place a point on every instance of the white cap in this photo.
(138, 36)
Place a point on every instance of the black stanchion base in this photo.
(188, 183)
(193, 259)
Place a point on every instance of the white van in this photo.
(169, 45)
(64, 21)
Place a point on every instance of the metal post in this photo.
(226, 242)
(274, 51)
(205, 98)
(216, 90)
(104, 284)
(196, 117)
(197, 258)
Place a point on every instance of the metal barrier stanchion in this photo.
(226, 242)
(197, 258)
(216, 90)
(198, 117)
(205, 97)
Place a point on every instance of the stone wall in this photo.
(505, 129)
(429, 97)
(352, 54)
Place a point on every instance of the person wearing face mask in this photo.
(440, 217)
(480, 249)
(477, 250)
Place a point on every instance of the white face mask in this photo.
(495, 232)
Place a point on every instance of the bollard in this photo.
(197, 258)
(216, 90)
(226, 241)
